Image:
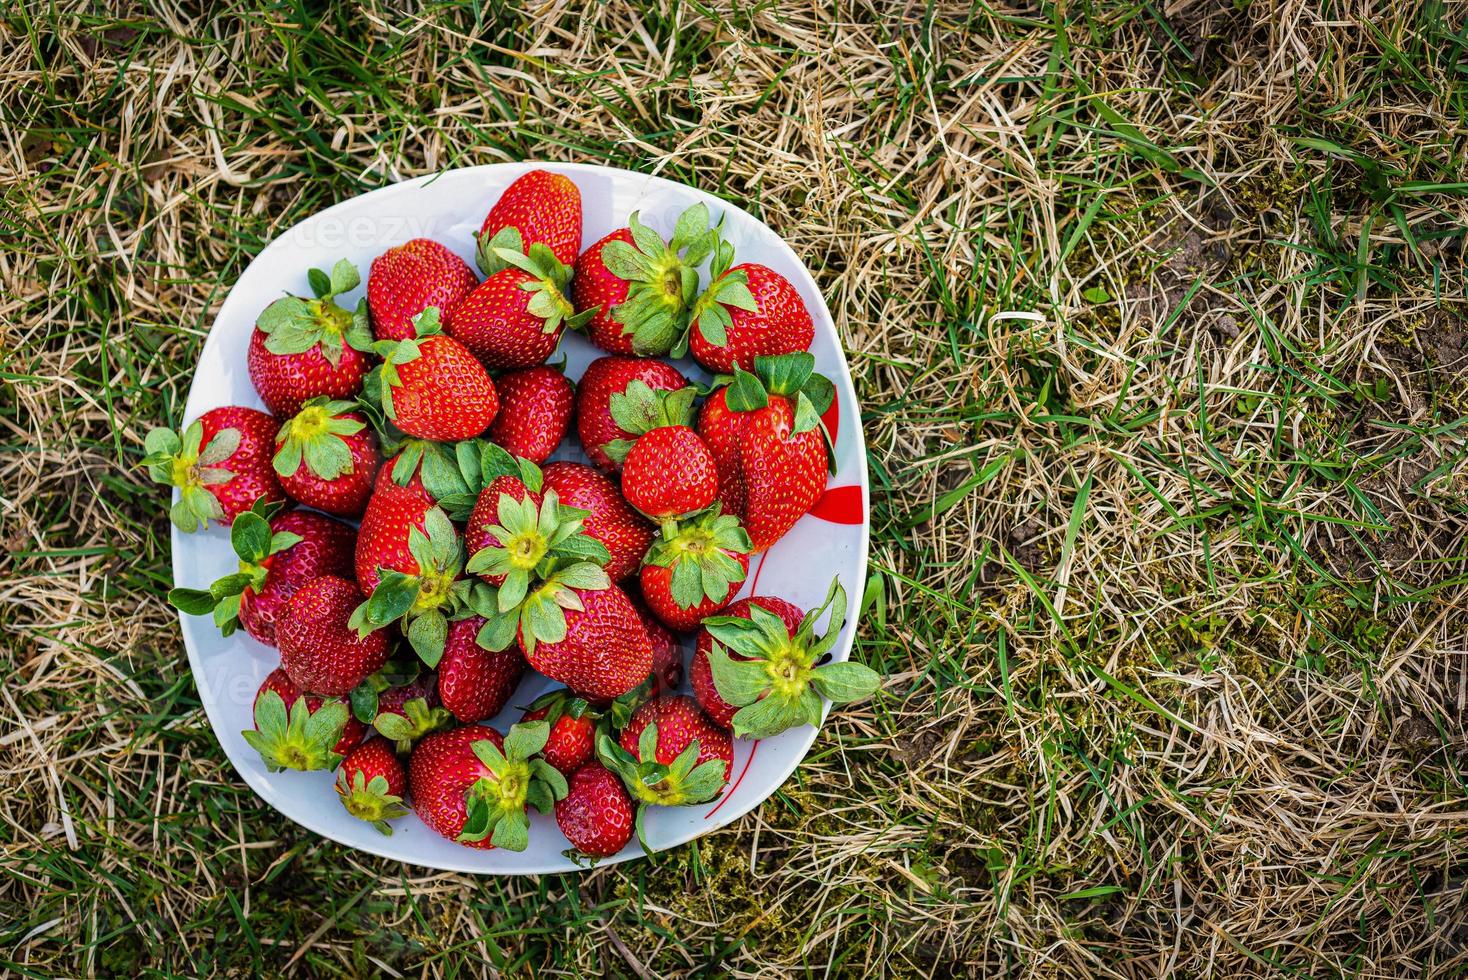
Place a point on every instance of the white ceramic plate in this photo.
(449, 207)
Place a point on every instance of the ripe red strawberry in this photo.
(603, 378)
(538, 207)
(408, 279)
(756, 668)
(408, 711)
(572, 729)
(296, 730)
(371, 784)
(638, 287)
(327, 457)
(669, 472)
(603, 651)
(626, 533)
(475, 683)
(432, 386)
(596, 816)
(722, 430)
(535, 411)
(515, 318)
(309, 348)
(694, 569)
(277, 556)
(748, 311)
(472, 786)
(220, 464)
(393, 511)
(678, 723)
(317, 649)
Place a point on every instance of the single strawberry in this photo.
(327, 457)
(722, 430)
(777, 680)
(670, 754)
(318, 649)
(408, 279)
(472, 786)
(220, 465)
(432, 387)
(278, 554)
(311, 348)
(596, 816)
(669, 473)
(572, 728)
(694, 568)
(603, 378)
(535, 411)
(475, 683)
(537, 207)
(748, 311)
(406, 711)
(515, 318)
(372, 783)
(640, 288)
(625, 533)
(296, 730)
(393, 511)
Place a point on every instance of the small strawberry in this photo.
(432, 387)
(393, 511)
(220, 464)
(408, 279)
(538, 207)
(694, 568)
(625, 533)
(296, 730)
(535, 411)
(748, 311)
(327, 457)
(667, 471)
(309, 348)
(639, 288)
(471, 785)
(515, 318)
(775, 683)
(475, 683)
(596, 816)
(405, 712)
(372, 784)
(572, 728)
(670, 754)
(318, 649)
(277, 556)
(603, 378)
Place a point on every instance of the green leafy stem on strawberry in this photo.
(253, 544)
(495, 804)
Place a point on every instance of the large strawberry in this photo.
(572, 728)
(596, 816)
(277, 556)
(667, 471)
(603, 378)
(296, 730)
(472, 786)
(408, 279)
(371, 784)
(515, 318)
(761, 673)
(220, 465)
(625, 533)
(327, 457)
(475, 683)
(432, 387)
(393, 511)
(748, 311)
(670, 754)
(535, 411)
(694, 568)
(318, 650)
(537, 207)
(309, 348)
(640, 288)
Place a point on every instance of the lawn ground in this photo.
(1156, 312)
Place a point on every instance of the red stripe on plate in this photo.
(841, 505)
(730, 791)
(759, 566)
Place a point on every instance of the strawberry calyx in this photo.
(416, 720)
(314, 436)
(369, 799)
(294, 325)
(727, 290)
(662, 279)
(180, 460)
(650, 783)
(513, 779)
(299, 738)
(561, 703)
(255, 545)
(395, 353)
(700, 552)
(778, 682)
(549, 288)
(538, 616)
(639, 408)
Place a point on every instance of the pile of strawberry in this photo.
(427, 414)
